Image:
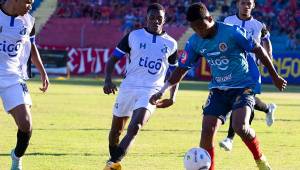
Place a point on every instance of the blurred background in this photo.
(76, 37)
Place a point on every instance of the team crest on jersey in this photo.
(23, 31)
(223, 47)
(183, 56)
(165, 49)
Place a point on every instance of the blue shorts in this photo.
(220, 102)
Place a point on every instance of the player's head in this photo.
(200, 19)
(245, 7)
(155, 18)
(20, 7)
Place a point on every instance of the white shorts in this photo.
(129, 100)
(15, 95)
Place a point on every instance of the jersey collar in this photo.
(163, 32)
(237, 15)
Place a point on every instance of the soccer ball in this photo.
(197, 159)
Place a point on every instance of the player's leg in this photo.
(117, 128)
(269, 109)
(227, 143)
(17, 101)
(139, 118)
(242, 110)
(215, 112)
(210, 126)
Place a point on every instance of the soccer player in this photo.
(231, 88)
(151, 50)
(260, 33)
(16, 44)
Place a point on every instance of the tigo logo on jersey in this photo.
(10, 49)
(223, 47)
(183, 56)
(153, 66)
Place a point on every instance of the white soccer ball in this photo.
(197, 159)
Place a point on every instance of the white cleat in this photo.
(270, 116)
(226, 144)
(16, 162)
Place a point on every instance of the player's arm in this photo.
(119, 52)
(263, 56)
(250, 45)
(36, 60)
(186, 61)
(266, 42)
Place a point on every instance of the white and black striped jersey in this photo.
(149, 57)
(16, 36)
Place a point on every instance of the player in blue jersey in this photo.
(259, 32)
(231, 88)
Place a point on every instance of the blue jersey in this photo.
(225, 54)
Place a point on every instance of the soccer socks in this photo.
(231, 132)
(253, 146)
(260, 105)
(22, 142)
(212, 157)
(112, 150)
(118, 154)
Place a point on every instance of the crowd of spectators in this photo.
(282, 16)
(131, 12)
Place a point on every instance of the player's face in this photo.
(155, 21)
(245, 7)
(202, 26)
(23, 6)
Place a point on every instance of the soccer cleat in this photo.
(263, 164)
(270, 116)
(226, 144)
(112, 166)
(16, 162)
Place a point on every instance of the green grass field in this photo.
(72, 120)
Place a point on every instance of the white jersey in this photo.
(254, 28)
(149, 57)
(15, 47)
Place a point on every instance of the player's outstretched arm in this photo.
(36, 60)
(176, 77)
(278, 81)
(109, 86)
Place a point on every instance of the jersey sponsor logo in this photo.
(223, 47)
(153, 66)
(183, 56)
(10, 49)
(221, 63)
(213, 53)
(223, 78)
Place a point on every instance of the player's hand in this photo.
(164, 103)
(45, 82)
(280, 82)
(155, 97)
(109, 87)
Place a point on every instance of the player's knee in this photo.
(241, 130)
(133, 129)
(25, 126)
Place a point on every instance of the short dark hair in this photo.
(196, 11)
(155, 6)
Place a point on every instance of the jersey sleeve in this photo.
(122, 48)
(32, 35)
(173, 59)
(188, 57)
(265, 34)
(239, 35)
